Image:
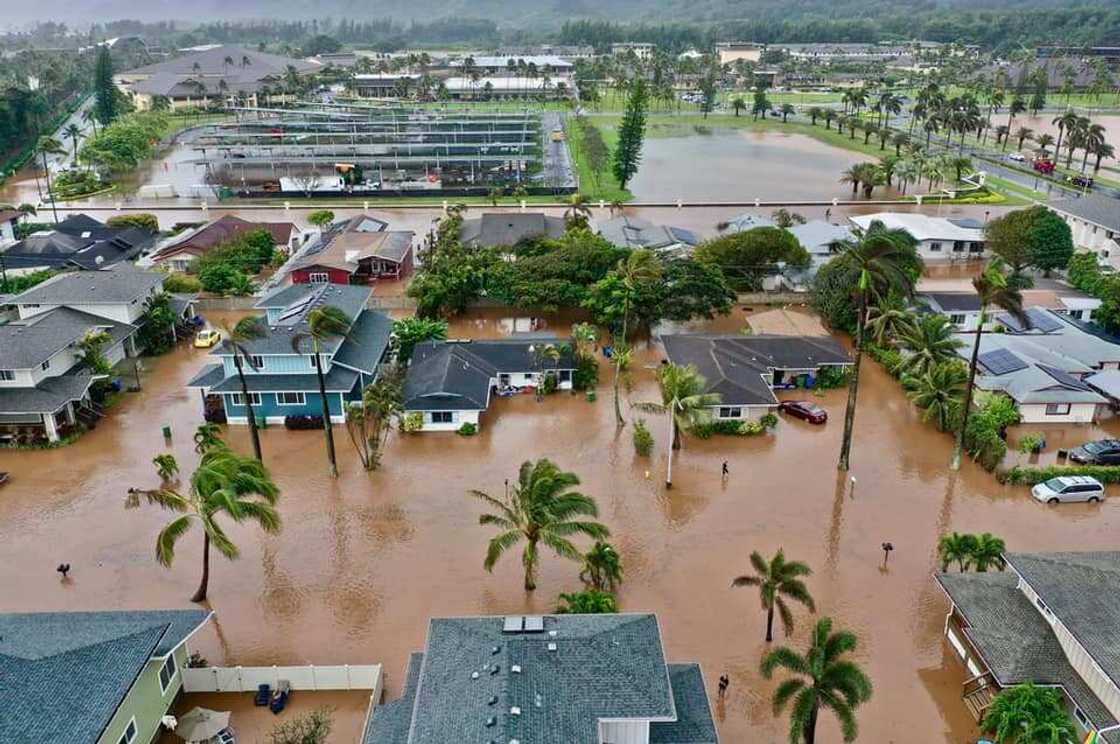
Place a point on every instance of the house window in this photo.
(1081, 717)
(319, 277)
(730, 412)
(975, 247)
(442, 417)
(291, 399)
(7, 375)
(167, 673)
(45, 365)
(254, 398)
(958, 246)
(1057, 409)
(957, 318)
(257, 361)
(934, 247)
(1045, 610)
(129, 734)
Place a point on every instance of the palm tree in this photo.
(684, 403)
(638, 268)
(889, 318)
(1102, 151)
(1026, 714)
(89, 116)
(73, 133)
(994, 290)
(739, 104)
(877, 256)
(1017, 106)
(988, 551)
(787, 110)
(1022, 134)
(824, 680)
(938, 391)
(206, 437)
(930, 342)
(1044, 141)
(899, 141)
(578, 214)
(541, 508)
(958, 548)
(1001, 135)
(852, 175)
(815, 112)
(829, 117)
(224, 483)
(50, 146)
(238, 337)
(591, 602)
(323, 324)
(776, 580)
(1065, 122)
(1091, 138)
(602, 568)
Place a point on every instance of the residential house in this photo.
(1051, 620)
(506, 229)
(282, 381)
(745, 370)
(577, 679)
(92, 677)
(821, 240)
(450, 383)
(212, 74)
(1095, 223)
(119, 294)
(9, 220)
(635, 232)
(939, 238)
(355, 251)
(179, 251)
(77, 242)
(962, 308)
(1043, 368)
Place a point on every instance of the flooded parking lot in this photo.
(362, 562)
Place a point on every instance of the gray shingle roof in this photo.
(120, 284)
(366, 343)
(604, 666)
(1015, 641)
(391, 720)
(954, 301)
(508, 228)
(1100, 210)
(338, 380)
(80, 241)
(26, 344)
(48, 396)
(207, 377)
(694, 724)
(446, 376)
(302, 299)
(738, 367)
(66, 673)
(635, 232)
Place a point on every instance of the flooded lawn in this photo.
(364, 561)
(731, 165)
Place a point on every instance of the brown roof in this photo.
(223, 230)
(345, 249)
(7, 215)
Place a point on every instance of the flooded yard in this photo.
(363, 561)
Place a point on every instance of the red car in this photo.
(804, 409)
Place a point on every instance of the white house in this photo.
(119, 293)
(1095, 223)
(939, 238)
(963, 308)
(450, 383)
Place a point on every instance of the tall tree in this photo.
(684, 403)
(105, 92)
(777, 580)
(1026, 714)
(987, 551)
(824, 679)
(238, 338)
(540, 508)
(324, 324)
(938, 391)
(879, 257)
(930, 342)
(224, 483)
(994, 291)
(50, 146)
(631, 133)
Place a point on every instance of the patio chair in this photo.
(263, 696)
(280, 697)
(225, 736)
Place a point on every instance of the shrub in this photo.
(592, 396)
(984, 437)
(224, 279)
(321, 217)
(643, 439)
(468, 429)
(735, 427)
(303, 422)
(183, 283)
(1028, 476)
(309, 728)
(589, 602)
(412, 422)
(829, 378)
(142, 220)
(76, 183)
(1033, 442)
(586, 375)
(548, 386)
(769, 420)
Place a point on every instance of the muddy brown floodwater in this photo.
(364, 561)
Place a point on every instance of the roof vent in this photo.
(553, 633)
(474, 675)
(552, 647)
(514, 710)
(495, 650)
(493, 700)
(516, 669)
(513, 624)
(534, 624)
(491, 722)
(497, 668)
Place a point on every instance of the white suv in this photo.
(1069, 488)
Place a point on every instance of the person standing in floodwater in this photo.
(726, 471)
(724, 682)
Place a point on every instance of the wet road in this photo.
(363, 561)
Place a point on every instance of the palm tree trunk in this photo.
(811, 725)
(853, 389)
(327, 430)
(958, 445)
(200, 595)
(250, 414)
(50, 190)
(672, 432)
(770, 624)
(531, 568)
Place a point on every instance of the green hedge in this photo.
(1027, 476)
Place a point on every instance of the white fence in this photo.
(247, 679)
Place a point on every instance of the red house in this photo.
(356, 251)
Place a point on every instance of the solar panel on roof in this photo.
(1001, 362)
(1043, 321)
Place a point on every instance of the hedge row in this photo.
(1027, 476)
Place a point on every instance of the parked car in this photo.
(804, 409)
(1100, 452)
(1069, 488)
(1081, 182)
(1045, 167)
(206, 338)
(1018, 157)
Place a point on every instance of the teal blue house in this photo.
(282, 381)
(91, 677)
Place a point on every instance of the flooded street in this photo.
(362, 562)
